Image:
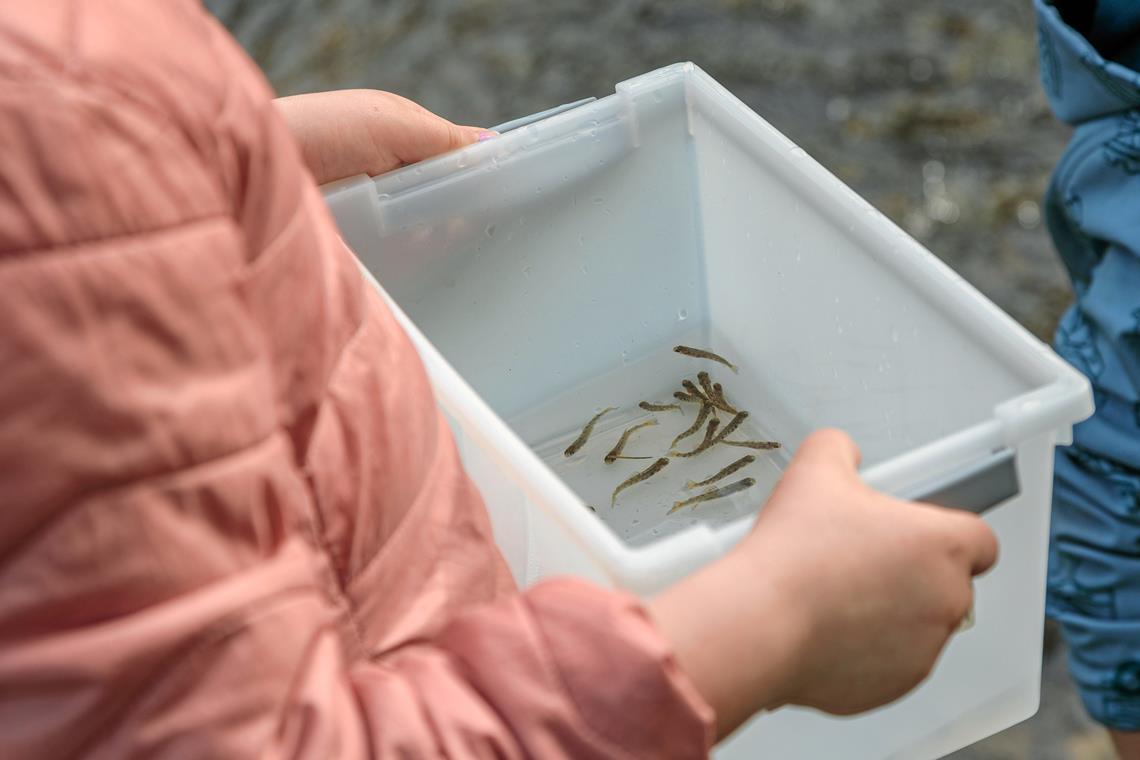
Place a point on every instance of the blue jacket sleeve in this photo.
(1093, 212)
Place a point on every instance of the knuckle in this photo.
(957, 603)
(455, 136)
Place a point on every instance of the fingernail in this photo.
(486, 135)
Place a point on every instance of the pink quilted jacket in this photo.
(233, 523)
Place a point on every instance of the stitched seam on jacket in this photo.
(16, 257)
(314, 523)
(85, 498)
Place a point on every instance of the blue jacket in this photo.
(1090, 54)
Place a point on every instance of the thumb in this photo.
(416, 133)
(830, 447)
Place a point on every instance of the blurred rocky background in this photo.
(930, 110)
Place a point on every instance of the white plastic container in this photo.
(549, 272)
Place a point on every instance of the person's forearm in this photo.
(731, 636)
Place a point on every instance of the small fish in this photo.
(719, 393)
(764, 445)
(700, 353)
(698, 423)
(714, 493)
(687, 397)
(651, 407)
(706, 384)
(615, 452)
(694, 391)
(580, 441)
(706, 444)
(714, 396)
(638, 477)
(591, 507)
(731, 427)
(744, 461)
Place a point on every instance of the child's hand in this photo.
(347, 132)
(840, 599)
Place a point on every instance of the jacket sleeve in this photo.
(1094, 569)
(163, 592)
(564, 670)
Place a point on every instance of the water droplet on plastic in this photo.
(625, 357)
(798, 152)
(526, 271)
(461, 162)
(578, 344)
(895, 335)
(682, 315)
(585, 269)
(490, 230)
(581, 241)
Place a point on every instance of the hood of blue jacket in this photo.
(1081, 83)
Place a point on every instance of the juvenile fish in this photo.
(764, 445)
(584, 436)
(706, 384)
(615, 452)
(688, 397)
(719, 394)
(698, 423)
(706, 444)
(700, 353)
(739, 464)
(715, 398)
(651, 407)
(714, 493)
(731, 427)
(693, 390)
(638, 477)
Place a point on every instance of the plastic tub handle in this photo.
(977, 488)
